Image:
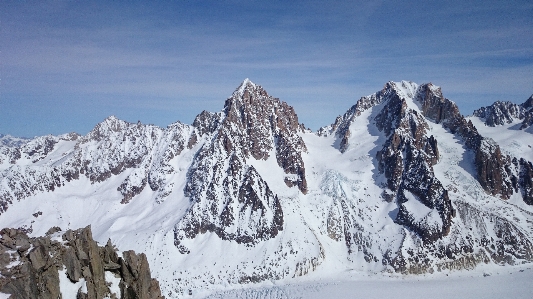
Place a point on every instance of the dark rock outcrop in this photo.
(136, 281)
(406, 160)
(525, 181)
(500, 113)
(31, 267)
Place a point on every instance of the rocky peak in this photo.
(106, 128)
(11, 141)
(229, 196)
(112, 147)
(409, 152)
(434, 106)
(407, 156)
(406, 161)
(245, 86)
(528, 104)
(207, 122)
(403, 89)
(528, 115)
(500, 113)
(494, 171)
(256, 123)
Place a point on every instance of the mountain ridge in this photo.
(401, 182)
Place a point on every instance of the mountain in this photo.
(400, 183)
(501, 113)
(11, 141)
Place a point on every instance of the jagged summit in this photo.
(245, 85)
(242, 206)
(405, 89)
(502, 113)
(528, 103)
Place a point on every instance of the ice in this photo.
(502, 284)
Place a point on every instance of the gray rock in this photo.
(37, 273)
(137, 282)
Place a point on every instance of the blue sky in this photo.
(67, 65)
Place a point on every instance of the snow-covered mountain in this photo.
(400, 183)
(502, 113)
(11, 141)
(509, 125)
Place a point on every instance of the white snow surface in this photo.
(309, 256)
(114, 283)
(512, 140)
(69, 289)
(491, 284)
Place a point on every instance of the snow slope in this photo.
(513, 141)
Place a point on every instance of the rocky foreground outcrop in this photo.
(41, 267)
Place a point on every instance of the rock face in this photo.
(228, 195)
(34, 267)
(501, 113)
(496, 172)
(406, 160)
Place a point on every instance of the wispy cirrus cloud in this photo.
(168, 61)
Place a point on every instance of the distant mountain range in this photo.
(10, 141)
(401, 182)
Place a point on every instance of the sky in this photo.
(67, 65)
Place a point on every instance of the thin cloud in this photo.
(165, 62)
